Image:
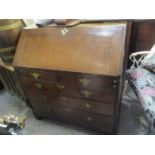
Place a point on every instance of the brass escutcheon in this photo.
(38, 85)
(84, 82)
(86, 93)
(61, 87)
(35, 75)
(64, 31)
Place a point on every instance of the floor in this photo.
(131, 120)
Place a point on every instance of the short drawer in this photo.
(76, 117)
(101, 108)
(107, 95)
(37, 74)
(90, 81)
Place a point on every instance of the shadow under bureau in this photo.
(74, 74)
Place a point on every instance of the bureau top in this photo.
(86, 48)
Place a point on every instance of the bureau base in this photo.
(75, 124)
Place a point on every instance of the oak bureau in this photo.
(74, 74)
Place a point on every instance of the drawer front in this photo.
(107, 95)
(83, 81)
(73, 116)
(73, 103)
(37, 74)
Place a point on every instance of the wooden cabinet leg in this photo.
(38, 117)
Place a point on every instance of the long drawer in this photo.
(74, 116)
(106, 95)
(73, 103)
(90, 81)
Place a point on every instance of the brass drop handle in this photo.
(86, 93)
(88, 106)
(84, 82)
(60, 87)
(38, 85)
(35, 75)
(89, 119)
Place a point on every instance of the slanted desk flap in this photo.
(86, 48)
